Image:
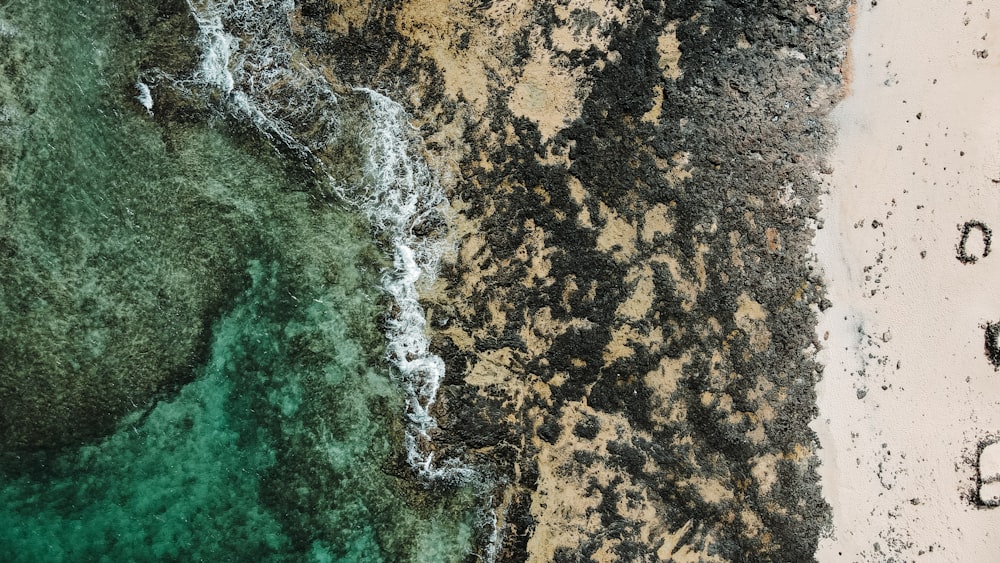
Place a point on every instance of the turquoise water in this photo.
(191, 360)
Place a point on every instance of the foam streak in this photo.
(247, 50)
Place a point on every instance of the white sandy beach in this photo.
(908, 391)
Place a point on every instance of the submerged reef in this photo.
(194, 328)
(109, 278)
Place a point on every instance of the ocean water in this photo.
(255, 266)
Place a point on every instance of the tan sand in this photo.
(908, 391)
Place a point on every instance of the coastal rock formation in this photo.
(628, 316)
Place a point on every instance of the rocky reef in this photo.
(628, 318)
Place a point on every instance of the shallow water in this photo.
(192, 263)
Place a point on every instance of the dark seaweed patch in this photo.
(587, 428)
(549, 430)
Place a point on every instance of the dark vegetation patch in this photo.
(753, 123)
(587, 428)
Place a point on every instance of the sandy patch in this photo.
(565, 504)
(448, 32)
(546, 94)
(668, 47)
(909, 393)
(346, 16)
(750, 317)
(476, 51)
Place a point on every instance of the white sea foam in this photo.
(400, 193)
(145, 97)
(217, 46)
(247, 57)
(247, 51)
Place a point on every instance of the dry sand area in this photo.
(909, 395)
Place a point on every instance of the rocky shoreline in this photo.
(628, 315)
(628, 320)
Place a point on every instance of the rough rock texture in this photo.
(628, 319)
(628, 316)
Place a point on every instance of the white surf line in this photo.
(262, 66)
(401, 193)
(398, 192)
(217, 47)
(145, 97)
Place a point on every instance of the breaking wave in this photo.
(250, 62)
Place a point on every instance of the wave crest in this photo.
(249, 61)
